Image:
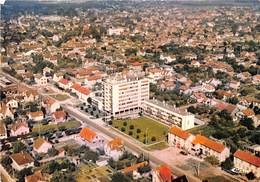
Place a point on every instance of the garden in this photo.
(145, 130)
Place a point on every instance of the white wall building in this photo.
(168, 114)
(123, 95)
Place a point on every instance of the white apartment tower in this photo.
(123, 94)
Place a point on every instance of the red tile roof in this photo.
(64, 81)
(179, 132)
(59, 114)
(165, 173)
(87, 134)
(202, 140)
(133, 167)
(115, 144)
(247, 157)
(84, 90)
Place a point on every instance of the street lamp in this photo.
(146, 135)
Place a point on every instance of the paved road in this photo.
(129, 144)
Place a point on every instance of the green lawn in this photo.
(68, 124)
(158, 146)
(60, 97)
(154, 129)
(204, 130)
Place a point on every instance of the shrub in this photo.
(137, 137)
(125, 123)
(123, 129)
(110, 122)
(97, 116)
(92, 113)
(212, 160)
(138, 130)
(131, 127)
(130, 133)
(153, 139)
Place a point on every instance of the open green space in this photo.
(158, 146)
(43, 128)
(141, 127)
(60, 97)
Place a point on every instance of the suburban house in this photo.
(36, 116)
(134, 169)
(19, 128)
(5, 111)
(40, 145)
(162, 174)
(51, 105)
(64, 83)
(114, 148)
(246, 162)
(12, 103)
(179, 138)
(91, 138)
(41, 80)
(57, 76)
(203, 146)
(21, 160)
(36, 177)
(197, 145)
(30, 95)
(59, 116)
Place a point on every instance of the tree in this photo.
(89, 100)
(153, 138)
(227, 164)
(131, 127)
(8, 120)
(247, 122)
(59, 176)
(130, 133)
(18, 147)
(24, 172)
(52, 152)
(212, 160)
(125, 123)
(123, 129)
(6, 161)
(250, 176)
(233, 100)
(90, 156)
(138, 130)
(120, 177)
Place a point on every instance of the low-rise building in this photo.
(19, 128)
(168, 114)
(40, 145)
(91, 138)
(21, 160)
(162, 174)
(59, 116)
(36, 116)
(179, 138)
(203, 147)
(114, 148)
(247, 162)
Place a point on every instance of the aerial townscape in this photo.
(130, 91)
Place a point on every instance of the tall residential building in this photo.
(123, 94)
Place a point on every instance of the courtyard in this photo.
(143, 129)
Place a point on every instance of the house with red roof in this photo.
(91, 138)
(64, 83)
(50, 104)
(19, 128)
(162, 174)
(36, 116)
(114, 148)
(203, 147)
(179, 138)
(59, 116)
(246, 162)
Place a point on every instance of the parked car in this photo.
(183, 152)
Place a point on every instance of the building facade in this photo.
(123, 95)
(168, 114)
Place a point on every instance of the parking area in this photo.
(192, 164)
